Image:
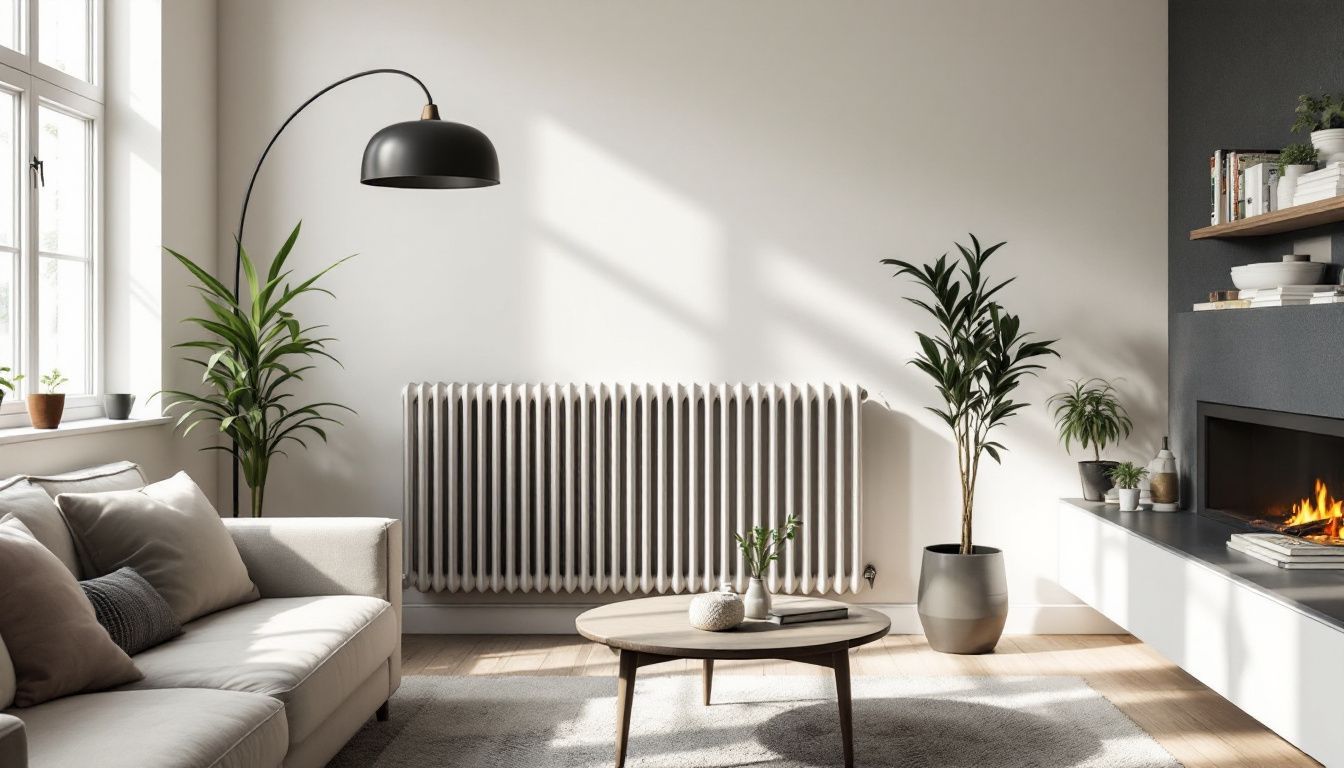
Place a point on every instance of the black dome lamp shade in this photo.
(430, 153)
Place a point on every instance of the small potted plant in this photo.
(1294, 160)
(45, 408)
(8, 382)
(1322, 116)
(1127, 476)
(1091, 414)
(760, 548)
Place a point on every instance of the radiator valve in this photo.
(870, 573)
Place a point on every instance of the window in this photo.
(50, 177)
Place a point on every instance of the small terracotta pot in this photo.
(45, 410)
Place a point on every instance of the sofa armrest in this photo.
(311, 556)
(13, 743)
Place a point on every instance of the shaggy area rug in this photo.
(568, 722)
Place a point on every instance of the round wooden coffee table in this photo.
(653, 630)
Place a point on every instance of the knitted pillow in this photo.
(133, 613)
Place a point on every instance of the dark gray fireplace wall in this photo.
(1235, 70)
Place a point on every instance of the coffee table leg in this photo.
(625, 697)
(708, 676)
(841, 663)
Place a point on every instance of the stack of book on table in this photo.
(1284, 295)
(808, 609)
(1288, 552)
(1319, 185)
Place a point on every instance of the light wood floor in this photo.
(1196, 725)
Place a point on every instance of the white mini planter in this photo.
(1129, 499)
(1329, 145)
(1288, 184)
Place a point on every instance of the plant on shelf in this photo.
(1090, 414)
(1297, 154)
(1322, 116)
(253, 349)
(760, 547)
(45, 409)
(1127, 477)
(976, 360)
(8, 382)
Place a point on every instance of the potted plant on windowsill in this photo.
(760, 548)
(1322, 116)
(1294, 160)
(1091, 414)
(976, 360)
(46, 408)
(8, 382)
(1127, 477)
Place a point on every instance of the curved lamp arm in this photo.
(247, 196)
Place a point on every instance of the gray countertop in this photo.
(1319, 594)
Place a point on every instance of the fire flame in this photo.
(1322, 507)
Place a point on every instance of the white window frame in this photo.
(41, 85)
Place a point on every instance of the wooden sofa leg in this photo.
(384, 712)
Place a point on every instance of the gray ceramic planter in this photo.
(963, 599)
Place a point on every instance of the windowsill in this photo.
(74, 428)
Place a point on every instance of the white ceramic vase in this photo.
(1129, 499)
(1288, 184)
(1329, 145)
(757, 601)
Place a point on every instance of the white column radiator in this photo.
(634, 488)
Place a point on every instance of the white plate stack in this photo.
(1319, 185)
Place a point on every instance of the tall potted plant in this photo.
(1322, 116)
(252, 350)
(8, 382)
(1090, 414)
(976, 361)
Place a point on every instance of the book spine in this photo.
(1213, 188)
(1219, 188)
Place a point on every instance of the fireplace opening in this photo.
(1272, 470)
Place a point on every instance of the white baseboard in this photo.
(558, 619)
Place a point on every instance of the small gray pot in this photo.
(963, 599)
(118, 406)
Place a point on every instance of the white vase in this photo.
(757, 601)
(1329, 145)
(1288, 184)
(1129, 499)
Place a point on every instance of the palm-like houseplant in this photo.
(976, 360)
(253, 349)
(1090, 414)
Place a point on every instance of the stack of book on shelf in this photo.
(1288, 552)
(1234, 196)
(1283, 296)
(1319, 185)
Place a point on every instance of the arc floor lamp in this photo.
(428, 153)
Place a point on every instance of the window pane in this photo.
(9, 167)
(63, 36)
(10, 24)
(8, 306)
(62, 334)
(63, 201)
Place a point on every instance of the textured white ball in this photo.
(716, 611)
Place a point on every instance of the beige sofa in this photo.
(283, 681)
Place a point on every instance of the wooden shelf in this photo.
(1314, 214)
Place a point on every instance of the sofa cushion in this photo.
(54, 641)
(7, 681)
(157, 729)
(31, 505)
(117, 476)
(170, 534)
(309, 652)
(133, 612)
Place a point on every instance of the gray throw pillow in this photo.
(133, 612)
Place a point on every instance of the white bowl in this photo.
(1273, 274)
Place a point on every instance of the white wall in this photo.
(159, 189)
(701, 191)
